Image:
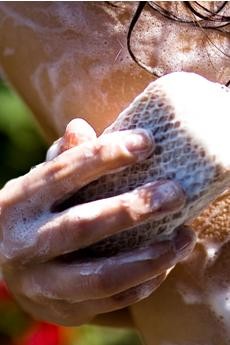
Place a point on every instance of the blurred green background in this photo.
(22, 147)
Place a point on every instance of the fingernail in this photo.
(183, 243)
(140, 142)
(167, 196)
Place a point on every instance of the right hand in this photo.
(33, 238)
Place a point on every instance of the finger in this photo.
(75, 314)
(80, 165)
(83, 312)
(125, 298)
(107, 276)
(77, 132)
(78, 228)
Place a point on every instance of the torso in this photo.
(71, 59)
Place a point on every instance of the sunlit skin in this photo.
(69, 61)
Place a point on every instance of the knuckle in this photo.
(77, 228)
(81, 227)
(28, 288)
(112, 150)
(103, 152)
(133, 206)
(33, 294)
(16, 252)
(8, 256)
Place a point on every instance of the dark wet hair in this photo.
(200, 16)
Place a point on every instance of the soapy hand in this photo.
(36, 235)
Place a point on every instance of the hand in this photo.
(33, 238)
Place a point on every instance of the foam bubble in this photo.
(219, 301)
(189, 296)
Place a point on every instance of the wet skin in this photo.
(75, 64)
